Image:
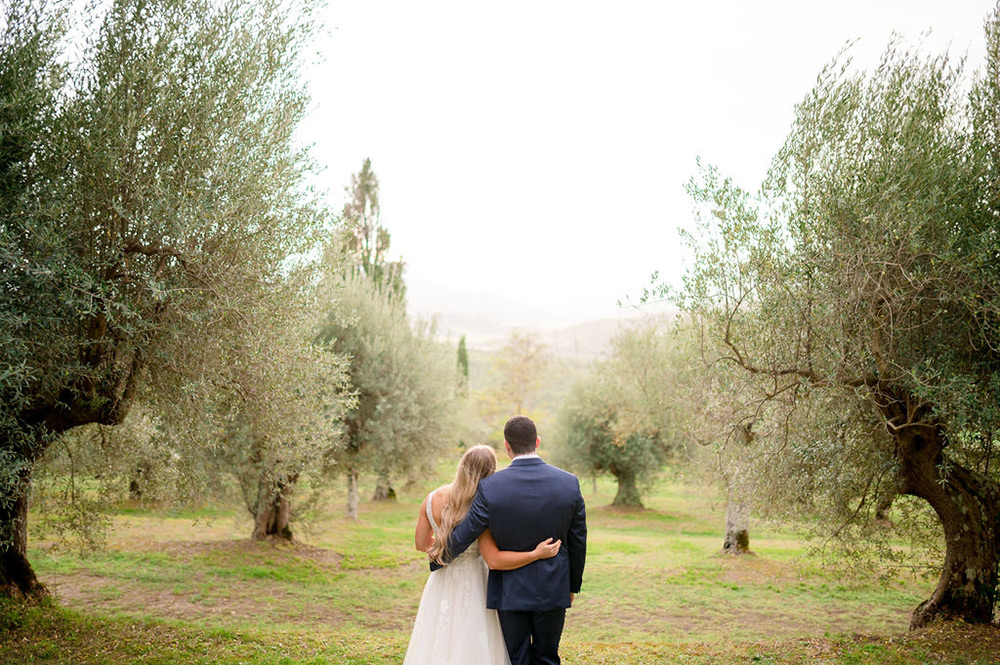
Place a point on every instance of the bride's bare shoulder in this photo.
(440, 500)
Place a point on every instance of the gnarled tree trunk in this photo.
(17, 578)
(968, 505)
(628, 491)
(20, 453)
(384, 491)
(104, 397)
(273, 517)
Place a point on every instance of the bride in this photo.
(453, 626)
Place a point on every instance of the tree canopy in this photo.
(405, 384)
(151, 196)
(858, 294)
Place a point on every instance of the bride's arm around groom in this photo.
(522, 505)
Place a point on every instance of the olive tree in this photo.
(622, 419)
(859, 295)
(276, 404)
(150, 192)
(719, 422)
(404, 382)
(360, 250)
(271, 407)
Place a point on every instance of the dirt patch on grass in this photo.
(190, 549)
(752, 569)
(244, 582)
(588, 619)
(78, 589)
(241, 603)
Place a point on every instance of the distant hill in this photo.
(487, 319)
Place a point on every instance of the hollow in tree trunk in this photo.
(139, 480)
(273, 517)
(17, 578)
(352, 494)
(384, 491)
(968, 505)
(628, 491)
(737, 529)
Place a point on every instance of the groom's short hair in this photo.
(520, 434)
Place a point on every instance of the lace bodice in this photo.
(472, 553)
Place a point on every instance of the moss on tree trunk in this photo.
(737, 539)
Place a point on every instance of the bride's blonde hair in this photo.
(477, 463)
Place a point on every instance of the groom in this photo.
(523, 505)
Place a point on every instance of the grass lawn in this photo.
(169, 590)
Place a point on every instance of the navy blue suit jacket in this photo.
(523, 505)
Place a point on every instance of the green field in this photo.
(190, 588)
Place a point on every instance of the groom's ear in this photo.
(538, 442)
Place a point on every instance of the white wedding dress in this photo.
(453, 626)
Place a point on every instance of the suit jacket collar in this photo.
(526, 461)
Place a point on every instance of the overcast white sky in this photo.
(538, 150)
